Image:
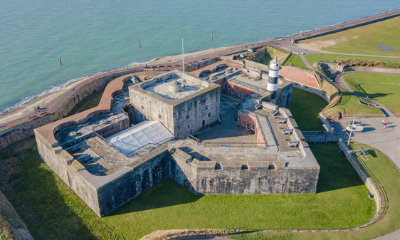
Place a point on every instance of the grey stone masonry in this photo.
(181, 116)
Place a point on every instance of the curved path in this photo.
(385, 140)
(339, 83)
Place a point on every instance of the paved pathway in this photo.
(306, 62)
(339, 83)
(385, 140)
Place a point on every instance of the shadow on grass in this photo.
(163, 194)
(336, 172)
(34, 191)
(372, 153)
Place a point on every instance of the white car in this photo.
(355, 128)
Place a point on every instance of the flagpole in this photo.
(183, 59)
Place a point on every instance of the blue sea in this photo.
(97, 36)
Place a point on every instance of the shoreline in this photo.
(158, 60)
(44, 97)
(23, 110)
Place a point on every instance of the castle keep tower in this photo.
(272, 87)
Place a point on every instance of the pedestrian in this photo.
(383, 122)
(384, 125)
(34, 109)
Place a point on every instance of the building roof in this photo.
(138, 136)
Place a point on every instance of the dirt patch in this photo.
(318, 45)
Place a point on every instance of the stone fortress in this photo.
(222, 129)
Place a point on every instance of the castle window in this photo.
(248, 126)
(159, 115)
(206, 108)
(252, 128)
(243, 124)
(187, 116)
(142, 107)
(209, 114)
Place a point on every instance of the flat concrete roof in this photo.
(186, 87)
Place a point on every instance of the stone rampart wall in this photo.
(198, 65)
(60, 162)
(369, 183)
(312, 90)
(137, 179)
(231, 179)
(255, 65)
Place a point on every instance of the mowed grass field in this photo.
(297, 62)
(349, 105)
(380, 168)
(52, 210)
(365, 39)
(378, 87)
(305, 108)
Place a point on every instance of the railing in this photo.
(233, 144)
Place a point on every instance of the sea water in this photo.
(96, 36)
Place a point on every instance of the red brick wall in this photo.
(236, 89)
(251, 121)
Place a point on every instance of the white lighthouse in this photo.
(272, 87)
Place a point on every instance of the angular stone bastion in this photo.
(145, 132)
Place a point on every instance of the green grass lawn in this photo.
(349, 105)
(378, 87)
(52, 211)
(305, 108)
(313, 58)
(297, 62)
(365, 39)
(388, 176)
(89, 102)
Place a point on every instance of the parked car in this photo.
(355, 128)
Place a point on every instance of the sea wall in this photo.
(25, 130)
